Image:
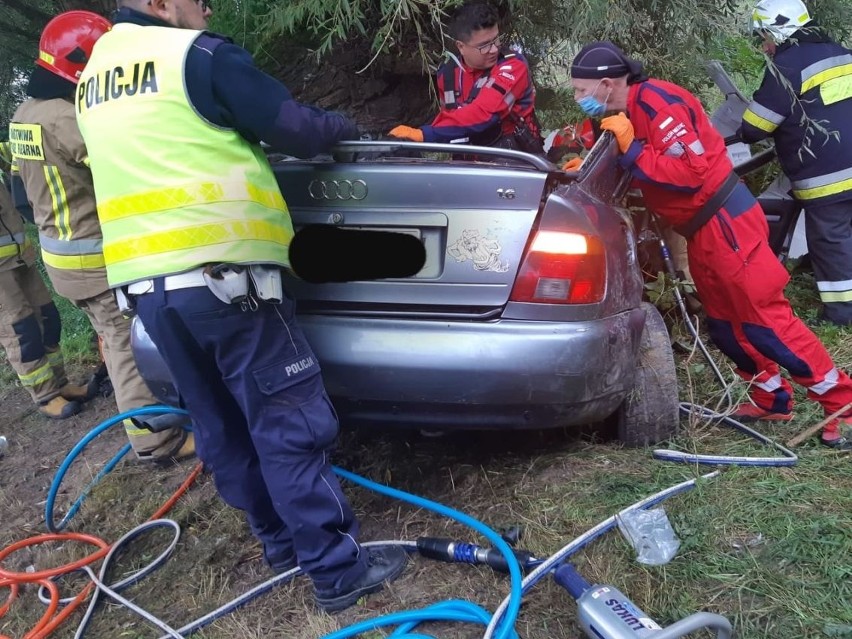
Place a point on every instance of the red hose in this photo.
(13, 580)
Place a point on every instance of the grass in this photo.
(770, 548)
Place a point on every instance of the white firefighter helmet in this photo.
(779, 18)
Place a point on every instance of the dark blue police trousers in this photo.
(263, 423)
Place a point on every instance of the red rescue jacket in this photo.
(678, 158)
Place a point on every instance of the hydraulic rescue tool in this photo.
(604, 612)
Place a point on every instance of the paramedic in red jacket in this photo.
(679, 162)
(487, 98)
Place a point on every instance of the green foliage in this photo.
(21, 23)
(246, 22)
(387, 26)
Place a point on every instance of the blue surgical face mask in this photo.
(590, 105)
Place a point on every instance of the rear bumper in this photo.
(501, 374)
(504, 374)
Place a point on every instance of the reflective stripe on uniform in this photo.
(72, 254)
(73, 262)
(829, 382)
(823, 185)
(764, 119)
(132, 430)
(195, 237)
(38, 376)
(825, 70)
(14, 238)
(696, 147)
(202, 209)
(61, 212)
(183, 196)
(771, 384)
(840, 291)
(11, 244)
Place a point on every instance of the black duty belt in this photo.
(710, 208)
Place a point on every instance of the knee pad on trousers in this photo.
(29, 339)
(51, 323)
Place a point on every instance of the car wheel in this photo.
(650, 412)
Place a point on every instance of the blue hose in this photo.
(454, 610)
(446, 611)
(69, 459)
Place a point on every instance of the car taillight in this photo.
(562, 268)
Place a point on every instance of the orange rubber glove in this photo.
(573, 164)
(621, 128)
(407, 133)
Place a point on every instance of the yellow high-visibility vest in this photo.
(174, 191)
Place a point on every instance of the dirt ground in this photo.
(224, 559)
(765, 547)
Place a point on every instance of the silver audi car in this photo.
(528, 309)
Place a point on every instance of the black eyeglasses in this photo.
(486, 48)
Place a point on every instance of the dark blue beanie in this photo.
(599, 60)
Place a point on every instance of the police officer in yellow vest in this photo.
(29, 320)
(52, 163)
(196, 231)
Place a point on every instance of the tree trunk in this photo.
(15, 30)
(377, 99)
(31, 13)
(103, 7)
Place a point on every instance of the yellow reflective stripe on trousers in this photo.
(73, 262)
(38, 376)
(195, 237)
(183, 196)
(132, 430)
(837, 291)
(832, 296)
(61, 212)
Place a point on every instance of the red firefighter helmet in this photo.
(67, 41)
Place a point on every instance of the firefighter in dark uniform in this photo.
(58, 185)
(679, 161)
(805, 104)
(196, 232)
(487, 98)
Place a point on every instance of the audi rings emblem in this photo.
(338, 189)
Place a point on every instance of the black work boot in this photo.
(384, 564)
(279, 563)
